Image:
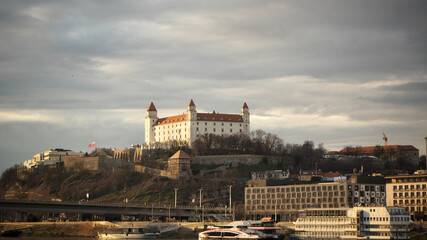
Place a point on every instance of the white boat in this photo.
(231, 233)
(268, 228)
(129, 233)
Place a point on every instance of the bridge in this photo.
(102, 211)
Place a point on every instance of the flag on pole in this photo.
(91, 145)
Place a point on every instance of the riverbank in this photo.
(60, 229)
(91, 229)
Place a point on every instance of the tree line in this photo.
(261, 143)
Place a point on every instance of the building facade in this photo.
(282, 200)
(353, 223)
(410, 192)
(391, 152)
(49, 157)
(187, 127)
(179, 165)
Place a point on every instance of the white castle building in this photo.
(187, 127)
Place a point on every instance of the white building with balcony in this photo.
(353, 223)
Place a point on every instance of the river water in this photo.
(71, 238)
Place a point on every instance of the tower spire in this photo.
(191, 104)
(152, 107)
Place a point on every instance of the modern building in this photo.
(270, 174)
(49, 157)
(410, 192)
(282, 199)
(189, 126)
(353, 223)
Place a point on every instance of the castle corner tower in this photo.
(245, 117)
(150, 120)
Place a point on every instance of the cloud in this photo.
(334, 71)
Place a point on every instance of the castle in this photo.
(187, 127)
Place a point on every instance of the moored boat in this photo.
(129, 233)
(231, 233)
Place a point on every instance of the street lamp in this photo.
(230, 196)
(200, 204)
(176, 189)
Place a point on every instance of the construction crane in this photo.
(385, 139)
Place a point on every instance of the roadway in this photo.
(106, 208)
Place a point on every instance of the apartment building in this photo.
(282, 199)
(410, 192)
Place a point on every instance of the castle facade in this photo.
(187, 127)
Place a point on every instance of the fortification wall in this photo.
(98, 163)
(151, 171)
(234, 160)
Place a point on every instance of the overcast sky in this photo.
(335, 72)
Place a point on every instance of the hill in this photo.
(119, 185)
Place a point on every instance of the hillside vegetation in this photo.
(117, 186)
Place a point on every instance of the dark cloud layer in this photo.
(308, 69)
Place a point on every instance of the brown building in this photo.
(179, 165)
(391, 152)
(410, 192)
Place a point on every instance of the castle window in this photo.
(222, 124)
(206, 129)
(231, 124)
(240, 130)
(206, 123)
(214, 130)
(222, 129)
(240, 125)
(231, 130)
(197, 129)
(197, 123)
(214, 123)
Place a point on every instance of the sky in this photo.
(337, 72)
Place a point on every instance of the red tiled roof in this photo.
(333, 153)
(172, 119)
(151, 107)
(180, 154)
(245, 105)
(191, 104)
(331, 174)
(221, 117)
(394, 148)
